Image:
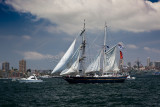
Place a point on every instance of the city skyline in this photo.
(41, 31)
(23, 68)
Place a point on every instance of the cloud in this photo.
(152, 50)
(26, 37)
(147, 48)
(68, 15)
(32, 55)
(132, 46)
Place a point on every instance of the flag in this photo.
(120, 45)
(121, 55)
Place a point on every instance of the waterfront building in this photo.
(151, 64)
(142, 68)
(148, 61)
(5, 66)
(22, 66)
(138, 63)
(157, 65)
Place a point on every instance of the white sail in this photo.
(64, 60)
(115, 67)
(95, 65)
(73, 65)
(110, 59)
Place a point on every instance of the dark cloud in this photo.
(153, 1)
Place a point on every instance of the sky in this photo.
(40, 31)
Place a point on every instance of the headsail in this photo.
(110, 59)
(95, 65)
(64, 60)
(72, 65)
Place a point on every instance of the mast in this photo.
(104, 48)
(83, 45)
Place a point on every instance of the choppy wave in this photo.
(56, 92)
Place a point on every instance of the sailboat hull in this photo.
(75, 80)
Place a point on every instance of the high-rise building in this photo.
(22, 66)
(138, 63)
(5, 66)
(148, 61)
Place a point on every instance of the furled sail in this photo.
(95, 65)
(64, 60)
(73, 64)
(110, 59)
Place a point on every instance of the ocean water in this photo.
(144, 91)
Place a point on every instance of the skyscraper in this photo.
(5, 66)
(22, 66)
(148, 61)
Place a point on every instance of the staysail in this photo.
(95, 65)
(64, 60)
(110, 60)
(115, 67)
(72, 65)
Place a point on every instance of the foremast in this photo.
(83, 46)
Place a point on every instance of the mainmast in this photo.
(104, 49)
(83, 45)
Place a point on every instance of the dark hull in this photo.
(75, 80)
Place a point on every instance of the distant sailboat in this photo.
(72, 64)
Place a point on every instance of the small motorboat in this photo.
(32, 78)
(130, 78)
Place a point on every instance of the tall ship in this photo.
(103, 69)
